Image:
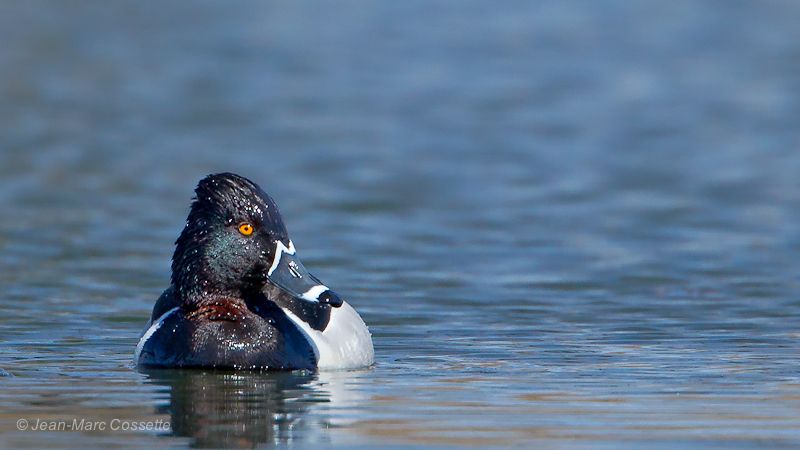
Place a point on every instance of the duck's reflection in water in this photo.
(243, 409)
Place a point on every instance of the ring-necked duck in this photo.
(240, 298)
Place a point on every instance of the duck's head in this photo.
(225, 247)
(235, 242)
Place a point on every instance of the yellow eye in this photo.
(246, 229)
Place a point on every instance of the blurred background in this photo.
(568, 224)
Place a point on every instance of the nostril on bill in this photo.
(330, 298)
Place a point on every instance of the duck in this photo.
(240, 298)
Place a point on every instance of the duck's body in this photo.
(244, 300)
(226, 334)
(344, 344)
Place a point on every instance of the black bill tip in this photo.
(330, 298)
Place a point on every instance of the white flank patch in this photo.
(149, 333)
(346, 342)
(280, 249)
(313, 293)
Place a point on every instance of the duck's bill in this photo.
(289, 274)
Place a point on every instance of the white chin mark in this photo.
(312, 294)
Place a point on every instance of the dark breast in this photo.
(228, 335)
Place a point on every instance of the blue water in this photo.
(567, 224)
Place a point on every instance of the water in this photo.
(568, 224)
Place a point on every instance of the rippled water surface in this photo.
(568, 224)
